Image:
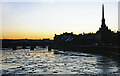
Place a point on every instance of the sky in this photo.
(38, 20)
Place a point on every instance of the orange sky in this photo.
(38, 20)
(11, 35)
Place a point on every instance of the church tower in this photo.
(103, 25)
(103, 33)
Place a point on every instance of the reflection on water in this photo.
(42, 61)
(43, 52)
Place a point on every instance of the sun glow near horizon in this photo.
(38, 20)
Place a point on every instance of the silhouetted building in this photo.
(102, 36)
(64, 37)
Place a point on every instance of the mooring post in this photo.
(32, 47)
(23, 47)
(49, 48)
(14, 48)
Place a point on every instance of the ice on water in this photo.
(42, 61)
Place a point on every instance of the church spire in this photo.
(102, 11)
(103, 19)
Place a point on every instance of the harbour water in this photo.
(42, 61)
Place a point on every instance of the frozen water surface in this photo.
(42, 61)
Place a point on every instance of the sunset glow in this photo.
(38, 20)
